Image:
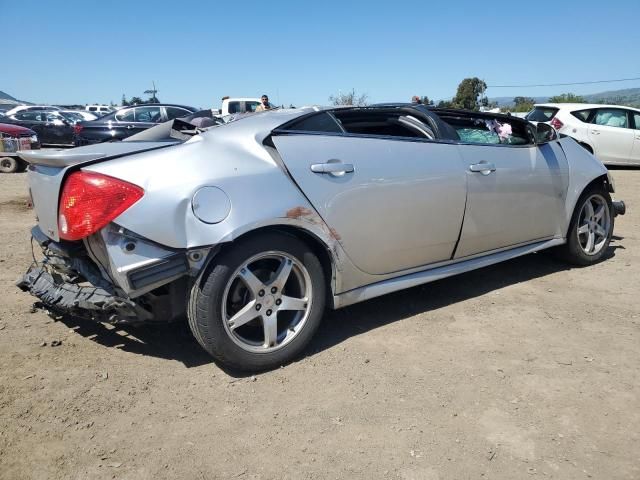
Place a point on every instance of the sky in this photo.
(90, 51)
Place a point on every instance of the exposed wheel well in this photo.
(601, 180)
(314, 243)
(586, 146)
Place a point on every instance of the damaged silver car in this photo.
(253, 227)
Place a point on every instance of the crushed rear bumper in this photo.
(68, 281)
(85, 301)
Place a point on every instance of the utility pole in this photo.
(152, 92)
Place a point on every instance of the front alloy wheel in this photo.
(594, 224)
(590, 229)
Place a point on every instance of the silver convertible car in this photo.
(253, 227)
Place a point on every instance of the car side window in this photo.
(609, 117)
(26, 115)
(582, 114)
(490, 131)
(125, 115)
(251, 106)
(382, 123)
(636, 120)
(319, 122)
(148, 114)
(175, 112)
(234, 107)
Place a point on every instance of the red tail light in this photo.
(89, 201)
(77, 128)
(555, 123)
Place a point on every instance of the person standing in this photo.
(264, 104)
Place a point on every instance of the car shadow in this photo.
(170, 341)
(339, 325)
(175, 342)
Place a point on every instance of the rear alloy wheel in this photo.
(591, 228)
(9, 165)
(261, 303)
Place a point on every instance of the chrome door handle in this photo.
(129, 127)
(483, 167)
(335, 168)
(595, 132)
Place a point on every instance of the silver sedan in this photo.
(253, 227)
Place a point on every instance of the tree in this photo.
(445, 104)
(426, 101)
(567, 98)
(124, 102)
(523, 104)
(350, 98)
(135, 101)
(468, 92)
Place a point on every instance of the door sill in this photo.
(407, 281)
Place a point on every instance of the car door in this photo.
(35, 121)
(635, 153)
(58, 130)
(394, 203)
(145, 117)
(134, 120)
(515, 196)
(611, 135)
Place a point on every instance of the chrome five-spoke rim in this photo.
(594, 223)
(266, 302)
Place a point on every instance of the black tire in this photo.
(205, 311)
(573, 251)
(9, 164)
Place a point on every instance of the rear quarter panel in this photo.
(256, 186)
(260, 191)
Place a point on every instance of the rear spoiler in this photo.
(176, 129)
(90, 153)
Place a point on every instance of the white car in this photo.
(30, 108)
(610, 132)
(99, 110)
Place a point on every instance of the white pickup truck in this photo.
(238, 105)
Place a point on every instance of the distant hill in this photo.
(508, 101)
(6, 99)
(627, 96)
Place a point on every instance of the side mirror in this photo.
(545, 133)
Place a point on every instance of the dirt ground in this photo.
(522, 370)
